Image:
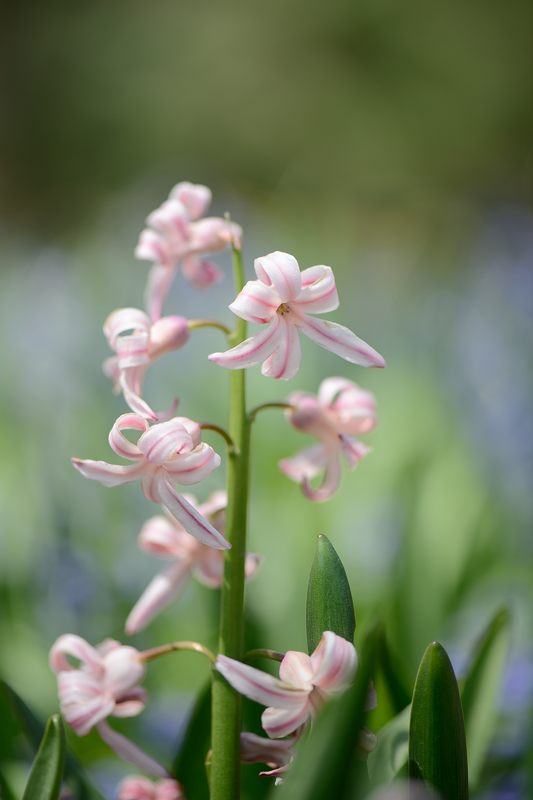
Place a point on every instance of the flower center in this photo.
(283, 309)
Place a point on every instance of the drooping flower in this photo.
(166, 538)
(136, 787)
(137, 343)
(283, 299)
(341, 411)
(104, 683)
(166, 453)
(275, 753)
(303, 685)
(176, 235)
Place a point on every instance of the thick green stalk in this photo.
(226, 708)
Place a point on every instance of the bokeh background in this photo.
(391, 141)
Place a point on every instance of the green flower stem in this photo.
(174, 647)
(254, 411)
(226, 707)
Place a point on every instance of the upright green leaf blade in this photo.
(329, 599)
(46, 773)
(437, 744)
(327, 763)
(480, 690)
(389, 758)
(189, 764)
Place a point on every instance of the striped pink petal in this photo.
(253, 350)
(267, 751)
(118, 442)
(334, 663)
(193, 467)
(281, 271)
(165, 539)
(256, 302)
(123, 671)
(132, 704)
(306, 464)
(108, 474)
(212, 234)
(296, 670)
(158, 594)
(319, 292)
(153, 246)
(123, 320)
(194, 197)
(164, 440)
(279, 722)
(200, 271)
(341, 341)
(172, 220)
(284, 362)
(193, 522)
(353, 450)
(158, 284)
(130, 382)
(71, 645)
(129, 751)
(330, 482)
(260, 686)
(168, 334)
(353, 407)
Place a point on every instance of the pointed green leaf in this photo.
(480, 690)
(46, 773)
(327, 763)
(390, 755)
(329, 599)
(437, 744)
(189, 764)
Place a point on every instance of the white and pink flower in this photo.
(103, 683)
(303, 685)
(164, 537)
(341, 411)
(284, 299)
(137, 343)
(165, 454)
(177, 235)
(136, 787)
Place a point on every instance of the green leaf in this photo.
(46, 773)
(480, 690)
(327, 763)
(189, 764)
(329, 599)
(391, 753)
(437, 744)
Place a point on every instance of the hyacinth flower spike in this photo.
(164, 537)
(285, 300)
(104, 684)
(136, 787)
(340, 411)
(304, 683)
(165, 454)
(177, 235)
(137, 343)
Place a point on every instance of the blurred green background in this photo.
(391, 141)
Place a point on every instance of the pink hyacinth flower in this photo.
(284, 299)
(341, 411)
(166, 538)
(137, 343)
(275, 753)
(136, 787)
(304, 682)
(166, 453)
(105, 683)
(176, 235)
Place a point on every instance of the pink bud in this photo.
(167, 334)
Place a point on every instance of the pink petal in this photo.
(118, 442)
(319, 292)
(306, 464)
(71, 645)
(260, 686)
(190, 468)
(354, 407)
(125, 748)
(130, 708)
(281, 271)
(330, 483)
(158, 285)
(253, 350)
(215, 503)
(168, 334)
(256, 302)
(130, 382)
(163, 440)
(200, 272)
(267, 751)
(284, 362)
(209, 568)
(165, 539)
(108, 474)
(190, 518)
(353, 450)
(341, 341)
(84, 715)
(157, 595)
(124, 670)
(296, 670)
(153, 247)
(334, 663)
(212, 234)
(171, 219)
(193, 196)
(135, 788)
(279, 722)
(122, 320)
